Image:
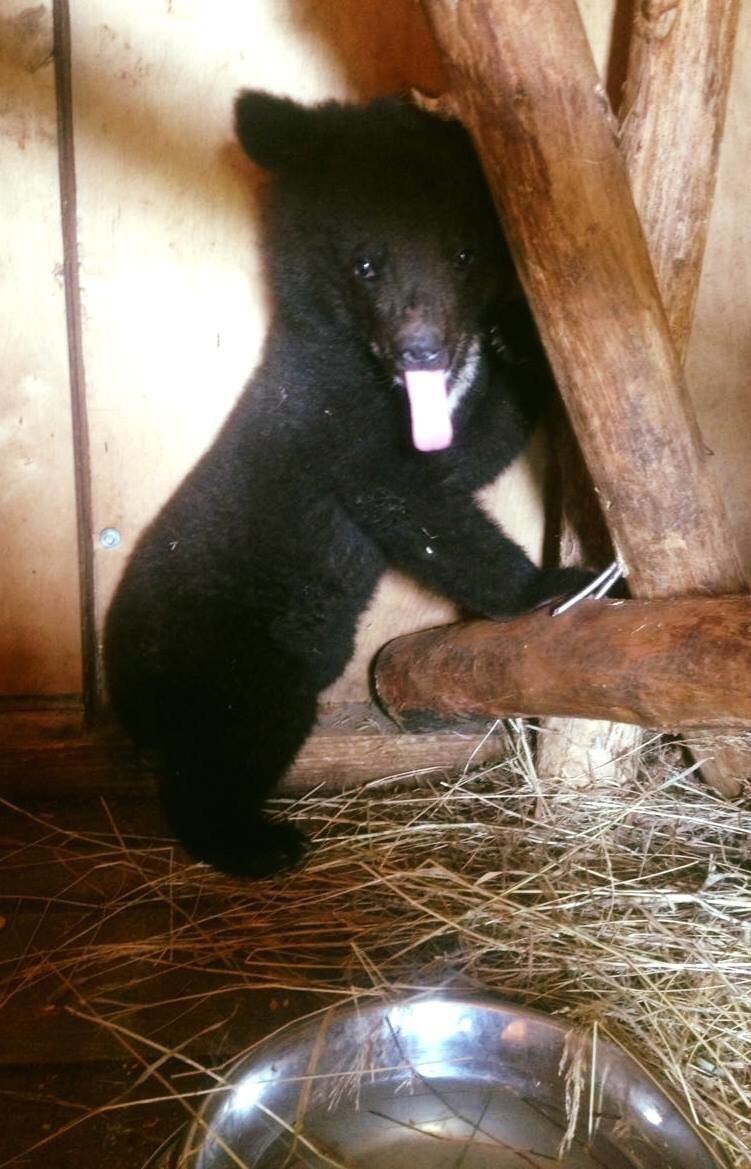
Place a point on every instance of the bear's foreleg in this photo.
(446, 542)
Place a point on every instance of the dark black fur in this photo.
(240, 601)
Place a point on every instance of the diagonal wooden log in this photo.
(669, 664)
(524, 81)
(525, 84)
(672, 116)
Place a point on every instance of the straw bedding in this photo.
(626, 910)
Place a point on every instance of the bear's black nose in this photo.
(422, 352)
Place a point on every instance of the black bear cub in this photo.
(398, 377)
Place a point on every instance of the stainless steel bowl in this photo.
(439, 1083)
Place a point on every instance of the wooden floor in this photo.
(69, 1087)
(56, 1068)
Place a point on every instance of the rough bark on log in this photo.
(672, 116)
(667, 664)
(542, 125)
(524, 81)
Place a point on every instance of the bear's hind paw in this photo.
(258, 850)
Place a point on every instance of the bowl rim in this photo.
(186, 1147)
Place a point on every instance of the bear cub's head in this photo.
(381, 221)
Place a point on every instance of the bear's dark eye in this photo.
(463, 258)
(365, 269)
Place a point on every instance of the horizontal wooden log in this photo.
(671, 664)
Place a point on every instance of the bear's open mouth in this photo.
(434, 394)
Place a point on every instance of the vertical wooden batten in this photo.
(672, 119)
(39, 624)
(718, 358)
(78, 405)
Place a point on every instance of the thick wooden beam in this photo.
(670, 664)
(671, 117)
(525, 84)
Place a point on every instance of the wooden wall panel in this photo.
(602, 20)
(39, 615)
(173, 301)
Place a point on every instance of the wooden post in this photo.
(669, 664)
(542, 125)
(578, 752)
(672, 116)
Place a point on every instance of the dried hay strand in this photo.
(626, 910)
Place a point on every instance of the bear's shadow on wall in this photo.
(384, 46)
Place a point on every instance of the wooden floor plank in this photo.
(80, 830)
(78, 924)
(58, 1106)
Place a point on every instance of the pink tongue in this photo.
(428, 404)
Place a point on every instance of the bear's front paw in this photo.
(567, 586)
(556, 587)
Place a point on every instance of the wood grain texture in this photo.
(543, 126)
(667, 664)
(672, 121)
(672, 118)
(579, 752)
(39, 622)
(719, 352)
(73, 317)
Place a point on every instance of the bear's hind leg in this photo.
(218, 772)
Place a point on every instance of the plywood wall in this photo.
(173, 308)
(173, 297)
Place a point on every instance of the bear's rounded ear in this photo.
(273, 131)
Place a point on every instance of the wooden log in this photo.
(669, 664)
(45, 755)
(525, 84)
(672, 116)
(543, 127)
